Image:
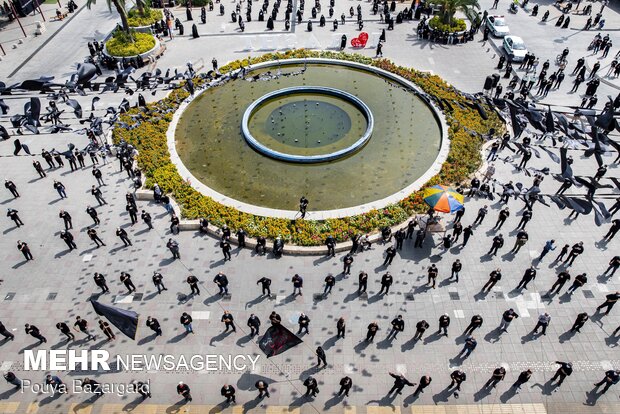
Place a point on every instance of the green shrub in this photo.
(458, 25)
(123, 44)
(150, 16)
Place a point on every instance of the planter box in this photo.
(144, 55)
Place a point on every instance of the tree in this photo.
(141, 6)
(120, 8)
(450, 7)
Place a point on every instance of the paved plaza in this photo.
(58, 284)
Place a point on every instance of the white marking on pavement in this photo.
(87, 258)
(401, 369)
(431, 60)
(6, 365)
(458, 313)
(201, 314)
(124, 298)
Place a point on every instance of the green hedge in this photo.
(123, 44)
(154, 159)
(150, 16)
(458, 25)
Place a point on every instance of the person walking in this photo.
(615, 226)
(610, 301)
(614, 264)
(298, 284)
(575, 251)
(222, 283)
(154, 325)
(475, 323)
(565, 370)
(186, 320)
(65, 330)
(549, 246)
(579, 281)
(158, 281)
(543, 322)
(229, 321)
(107, 331)
(581, 319)
(524, 377)
(372, 329)
(425, 381)
(507, 317)
(35, 333)
(192, 281)
(81, 325)
(254, 324)
(265, 283)
(498, 375)
(611, 377)
(101, 282)
(263, 389)
(399, 383)
(126, 280)
(320, 354)
(304, 323)
(398, 325)
(183, 389)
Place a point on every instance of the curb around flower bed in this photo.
(465, 128)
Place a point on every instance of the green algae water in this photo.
(405, 141)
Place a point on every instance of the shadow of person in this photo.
(132, 405)
(256, 301)
(250, 405)
(220, 337)
(443, 395)
(9, 393)
(409, 345)
(333, 401)
(310, 371)
(435, 336)
(566, 336)
(547, 388)
(330, 342)
(482, 393)
(361, 346)
(508, 394)
(612, 341)
(178, 338)
(592, 397)
(494, 335)
(244, 340)
(387, 401)
(529, 337)
(410, 399)
(385, 343)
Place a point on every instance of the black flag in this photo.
(125, 320)
(277, 340)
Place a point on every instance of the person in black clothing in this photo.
(93, 214)
(192, 281)
(456, 231)
(482, 212)
(320, 354)
(122, 234)
(341, 327)
(615, 226)
(304, 323)
(4, 332)
(575, 251)
(330, 242)
(610, 301)
(420, 328)
(312, 387)
(400, 237)
(467, 233)
(494, 277)
(411, 227)
(524, 377)
(398, 325)
(183, 389)
(345, 386)
(563, 277)
(23, 247)
(37, 166)
(565, 370)
(133, 213)
(578, 282)
(457, 377)
(498, 375)
(476, 322)
(611, 377)
(265, 283)
(225, 246)
(503, 215)
(399, 383)
(330, 282)
(254, 324)
(92, 234)
(228, 391)
(373, 327)
(390, 253)
(456, 268)
(498, 242)
(425, 381)
(158, 281)
(581, 319)
(347, 261)
(12, 214)
(64, 328)
(10, 185)
(67, 237)
(263, 389)
(525, 218)
(528, 276)
(229, 321)
(126, 279)
(444, 322)
(100, 282)
(362, 282)
(35, 333)
(614, 264)
(146, 217)
(153, 323)
(386, 282)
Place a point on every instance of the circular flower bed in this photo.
(458, 25)
(466, 127)
(121, 44)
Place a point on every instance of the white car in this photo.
(497, 25)
(515, 48)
